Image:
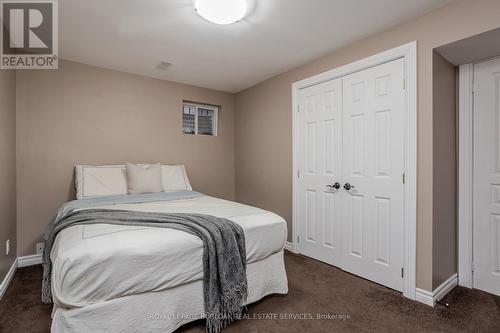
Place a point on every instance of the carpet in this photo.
(322, 298)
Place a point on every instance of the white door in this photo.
(351, 131)
(373, 164)
(486, 197)
(320, 163)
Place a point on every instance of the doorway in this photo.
(355, 168)
(479, 215)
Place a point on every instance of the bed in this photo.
(141, 279)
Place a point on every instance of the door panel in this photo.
(486, 208)
(320, 139)
(382, 251)
(356, 222)
(373, 162)
(329, 204)
(311, 216)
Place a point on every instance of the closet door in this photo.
(486, 202)
(373, 165)
(320, 163)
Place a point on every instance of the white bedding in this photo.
(166, 310)
(96, 263)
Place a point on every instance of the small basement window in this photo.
(199, 119)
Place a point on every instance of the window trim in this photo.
(215, 122)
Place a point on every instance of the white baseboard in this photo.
(430, 298)
(424, 296)
(6, 281)
(34, 259)
(445, 287)
(289, 246)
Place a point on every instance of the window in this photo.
(199, 119)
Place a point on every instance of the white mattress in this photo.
(166, 310)
(96, 263)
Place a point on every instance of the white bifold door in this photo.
(351, 163)
(486, 177)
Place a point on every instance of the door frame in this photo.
(465, 173)
(409, 53)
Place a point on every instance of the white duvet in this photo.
(95, 263)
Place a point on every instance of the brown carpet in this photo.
(314, 288)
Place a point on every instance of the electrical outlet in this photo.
(39, 248)
(7, 247)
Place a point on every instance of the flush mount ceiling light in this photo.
(221, 11)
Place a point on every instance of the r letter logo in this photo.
(29, 35)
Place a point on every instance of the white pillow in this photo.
(174, 178)
(93, 181)
(144, 179)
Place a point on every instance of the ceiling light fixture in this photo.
(221, 11)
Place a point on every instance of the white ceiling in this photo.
(277, 35)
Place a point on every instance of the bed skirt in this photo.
(166, 310)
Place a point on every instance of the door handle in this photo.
(348, 186)
(335, 186)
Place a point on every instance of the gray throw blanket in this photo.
(224, 255)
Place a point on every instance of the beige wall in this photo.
(86, 115)
(263, 121)
(7, 169)
(444, 243)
